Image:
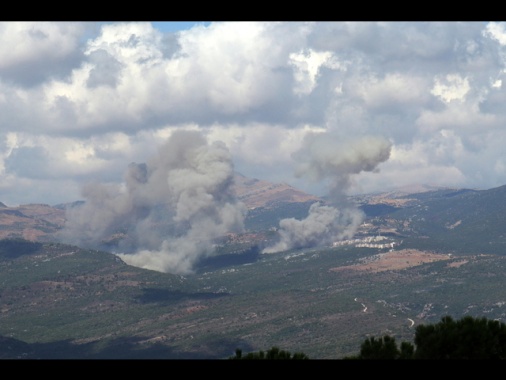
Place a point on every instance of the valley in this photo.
(415, 258)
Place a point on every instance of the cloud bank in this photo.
(79, 101)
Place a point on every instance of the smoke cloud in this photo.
(326, 158)
(168, 212)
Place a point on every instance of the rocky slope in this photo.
(257, 193)
(34, 222)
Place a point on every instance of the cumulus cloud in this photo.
(69, 90)
(32, 52)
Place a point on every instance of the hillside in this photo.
(257, 193)
(427, 217)
(461, 220)
(39, 222)
(63, 302)
(419, 255)
(34, 222)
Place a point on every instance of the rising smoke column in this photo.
(326, 158)
(168, 211)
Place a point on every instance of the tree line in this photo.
(466, 338)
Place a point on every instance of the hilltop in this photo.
(258, 193)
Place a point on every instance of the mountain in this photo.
(258, 193)
(63, 302)
(454, 218)
(463, 220)
(39, 222)
(34, 222)
(418, 256)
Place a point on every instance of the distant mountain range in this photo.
(38, 222)
(33, 222)
(422, 252)
(452, 217)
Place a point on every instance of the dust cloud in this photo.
(167, 213)
(327, 158)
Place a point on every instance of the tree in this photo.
(273, 354)
(385, 348)
(407, 351)
(467, 338)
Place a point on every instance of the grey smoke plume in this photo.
(323, 157)
(168, 212)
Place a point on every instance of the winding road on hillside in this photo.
(365, 309)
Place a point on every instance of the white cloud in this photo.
(35, 42)
(394, 90)
(307, 66)
(80, 101)
(497, 31)
(451, 87)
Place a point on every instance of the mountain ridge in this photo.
(440, 253)
(268, 201)
(260, 193)
(39, 221)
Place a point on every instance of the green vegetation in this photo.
(384, 348)
(14, 248)
(464, 221)
(63, 302)
(273, 354)
(464, 339)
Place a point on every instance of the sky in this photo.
(413, 102)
